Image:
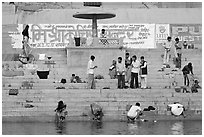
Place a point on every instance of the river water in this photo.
(188, 127)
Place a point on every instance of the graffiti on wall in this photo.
(187, 32)
(59, 35)
(134, 35)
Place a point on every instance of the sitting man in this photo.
(103, 37)
(96, 111)
(61, 112)
(195, 86)
(73, 79)
(134, 112)
(177, 109)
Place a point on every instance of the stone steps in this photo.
(86, 93)
(113, 101)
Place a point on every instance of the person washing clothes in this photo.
(134, 112)
(177, 109)
(61, 112)
(96, 111)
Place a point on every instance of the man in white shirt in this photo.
(134, 112)
(177, 109)
(167, 48)
(90, 72)
(134, 72)
(120, 68)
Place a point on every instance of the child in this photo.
(61, 112)
(112, 70)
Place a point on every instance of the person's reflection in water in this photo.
(60, 127)
(133, 127)
(96, 127)
(177, 128)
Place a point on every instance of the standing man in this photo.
(90, 72)
(167, 48)
(120, 73)
(178, 53)
(128, 67)
(143, 69)
(134, 72)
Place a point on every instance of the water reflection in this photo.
(134, 127)
(96, 127)
(104, 128)
(177, 128)
(60, 127)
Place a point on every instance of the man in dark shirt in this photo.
(128, 63)
(187, 70)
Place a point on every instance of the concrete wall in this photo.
(61, 16)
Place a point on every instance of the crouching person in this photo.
(96, 111)
(176, 109)
(134, 112)
(61, 112)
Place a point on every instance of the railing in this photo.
(96, 42)
(105, 41)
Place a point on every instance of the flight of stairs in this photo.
(37, 98)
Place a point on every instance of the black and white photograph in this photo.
(101, 67)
